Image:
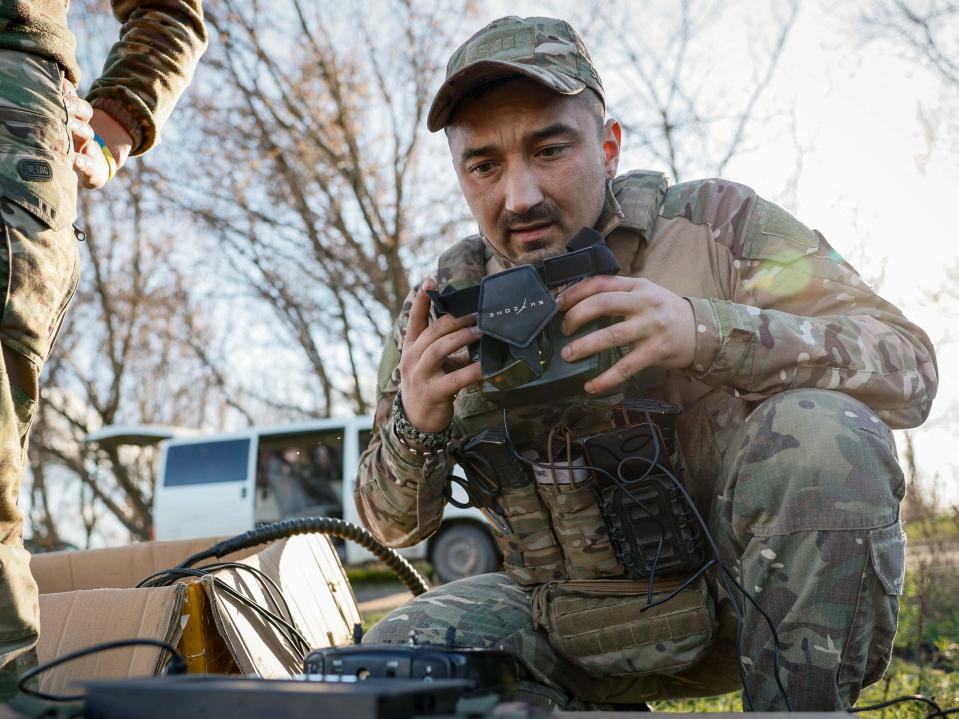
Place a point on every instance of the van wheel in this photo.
(463, 551)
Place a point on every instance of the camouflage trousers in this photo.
(39, 265)
(806, 516)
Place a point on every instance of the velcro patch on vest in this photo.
(35, 170)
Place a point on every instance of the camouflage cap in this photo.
(543, 49)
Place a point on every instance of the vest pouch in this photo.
(580, 530)
(531, 554)
(599, 625)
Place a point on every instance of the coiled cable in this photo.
(332, 526)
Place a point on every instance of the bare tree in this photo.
(315, 189)
(685, 107)
(126, 355)
(926, 30)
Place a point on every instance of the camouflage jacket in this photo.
(775, 308)
(146, 70)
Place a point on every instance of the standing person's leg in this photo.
(38, 275)
(809, 518)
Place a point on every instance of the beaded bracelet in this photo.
(426, 443)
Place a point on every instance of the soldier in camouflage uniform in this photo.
(48, 139)
(789, 369)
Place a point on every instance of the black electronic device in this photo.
(651, 528)
(246, 698)
(647, 518)
(486, 671)
(519, 351)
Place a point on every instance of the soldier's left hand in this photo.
(89, 162)
(657, 324)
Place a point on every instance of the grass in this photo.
(925, 658)
(377, 573)
(903, 677)
(941, 528)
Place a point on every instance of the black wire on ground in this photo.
(929, 701)
(413, 580)
(177, 665)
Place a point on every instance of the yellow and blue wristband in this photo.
(111, 160)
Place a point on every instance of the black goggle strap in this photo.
(458, 303)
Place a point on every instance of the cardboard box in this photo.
(300, 579)
(74, 620)
(117, 567)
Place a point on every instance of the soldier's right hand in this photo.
(427, 390)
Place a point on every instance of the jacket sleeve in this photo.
(399, 495)
(798, 315)
(150, 66)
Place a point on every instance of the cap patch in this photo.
(505, 45)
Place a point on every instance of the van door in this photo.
(300, 474)
(206, 488)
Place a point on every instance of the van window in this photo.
(300, 475)
(207, 462)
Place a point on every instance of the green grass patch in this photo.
(371, 618)
(378, 573)
(940, 528)
(902, 678)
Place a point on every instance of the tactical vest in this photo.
(547, 530)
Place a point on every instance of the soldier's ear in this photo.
(612, 139)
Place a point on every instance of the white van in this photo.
(225, 484)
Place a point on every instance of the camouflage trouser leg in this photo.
(491, 611)
(810, 517)
(38, 275)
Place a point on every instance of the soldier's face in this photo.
(533, 165)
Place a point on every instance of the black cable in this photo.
(286, 629)
(944, 712)
(937, 710)
(637, 500)
(292, 634)
(177, 665)
(265, 580)
(723, 580)
(737, 610)
(725, 576)
(413, 580)
(746, 594)
(689, 580)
